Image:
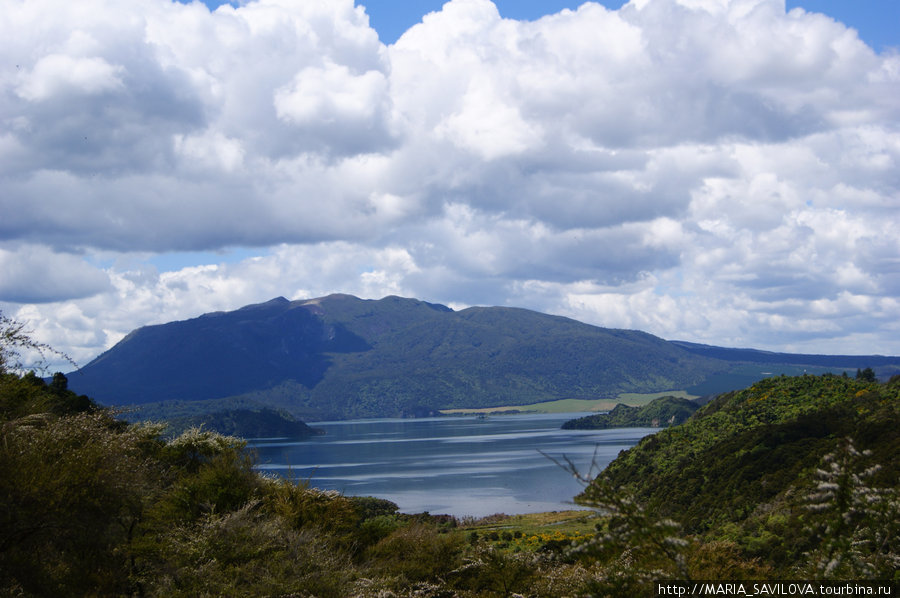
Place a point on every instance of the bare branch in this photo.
(16, 339)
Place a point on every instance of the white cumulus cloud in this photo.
(713, 170)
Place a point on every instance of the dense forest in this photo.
(791, 478)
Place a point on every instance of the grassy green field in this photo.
(572, 405)
(531, 531)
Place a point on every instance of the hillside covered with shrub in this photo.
(793, 478)
(793, 470)
(93, 505)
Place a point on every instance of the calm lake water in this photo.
(455, 465)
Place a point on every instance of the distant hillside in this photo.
(750, 365)
(658, 413)
(340, 356)
(757, 356)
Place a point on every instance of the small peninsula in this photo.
(658, 413)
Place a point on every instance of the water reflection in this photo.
(455, 465)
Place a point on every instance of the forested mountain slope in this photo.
(340, 356)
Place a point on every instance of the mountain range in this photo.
(340, 357)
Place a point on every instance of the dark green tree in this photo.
(866, 375)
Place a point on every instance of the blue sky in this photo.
(878, 21)
(715, 171)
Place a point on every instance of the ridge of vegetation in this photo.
(245, 423)
(658, 413)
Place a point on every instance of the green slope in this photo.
(340, 356)
(748, 451)
(482, 357)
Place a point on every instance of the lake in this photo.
(454, 465)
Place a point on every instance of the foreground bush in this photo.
(90, 505)
(242, 553)
(73, 491)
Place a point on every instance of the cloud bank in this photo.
(712, 170)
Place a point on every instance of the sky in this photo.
(718, 171)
